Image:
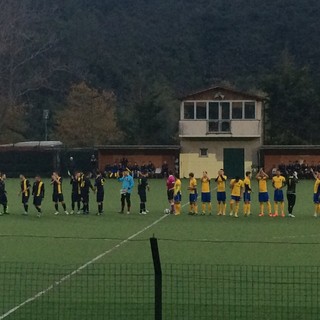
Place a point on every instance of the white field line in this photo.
(68, 276)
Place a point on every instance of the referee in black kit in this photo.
(292, 181)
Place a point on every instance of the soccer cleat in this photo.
(236, 215)
(56, 213)
(315, 215)
(143, 212)
(177, 213)
(147, 211)
(121, 212)
(231, 214)
(25, 213)
(271, 215)
(274, 215)
(66, 212)
(219, 214)
(283, 215)
(291, 215)
(128, 212)
(261, 214)
(79, 212)
(71, 212)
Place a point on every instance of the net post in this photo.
(157, 279)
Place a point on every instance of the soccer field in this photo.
(67, 243)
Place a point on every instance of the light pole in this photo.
(45, 118)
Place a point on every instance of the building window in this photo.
(237, 110)
(225, 110)
(188, 110)
(201, 109)
(217, 126)
(213, 110)
(203, 152)
(249, 110)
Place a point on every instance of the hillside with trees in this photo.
(140, 56)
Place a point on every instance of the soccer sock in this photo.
(38, 209)
(209, 207)
(191, 207)
(79, 205)
(203, 206)
(224, 208)
(178, 208)
(248, 208)
(276, 207)
(269, 207)
(72, 206)
(100, 208)
(64, 206)
(219, 208)
(236, 210)
(245, 208)
(316, 208)
(141, 207)
(261, 207)
(5, 208)
(26, 208)
(195, 208)
(56, 206)
(231, 206)
(282, 207)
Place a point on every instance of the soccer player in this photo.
(143, 186)
(99, 189)
(205, 193)
(25, 192)
(75, 182)
(170, 190)
(57, 195)
(193, 195)
(3, 194)
(291, 192)
(85, 187)
(262, 178)
(316, 193)
(127, 186)
(236, 186)
(247, 194)
(38, 194)
(177, 195)
(221, 192)
(278, 182)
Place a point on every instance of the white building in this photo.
(220, 128)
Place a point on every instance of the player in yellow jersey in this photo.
(177, 195)
(221, 192)
(316, 193)
(278, 182)
(236, 186)
(262, 178)
(205, 193)
(247, 194)
(193, 195)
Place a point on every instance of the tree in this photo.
(292, 98)
(153, 116)
(88, 118)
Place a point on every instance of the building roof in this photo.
(243, 94)
(138, 147)
(33, 144)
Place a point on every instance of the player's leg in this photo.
(236, 207)
(232, 202)
(122, 201)
(177, 204)
(128, 200)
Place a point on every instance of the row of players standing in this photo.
(81, 185)
(239, 189)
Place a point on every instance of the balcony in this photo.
(220, 128)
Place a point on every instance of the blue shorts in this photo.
(263, 197)
(193, 197)
(221, 196)
(246, 197)
(316, 197)
(205, 197)
(177, 197)
(235, 198)
(278, 195)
